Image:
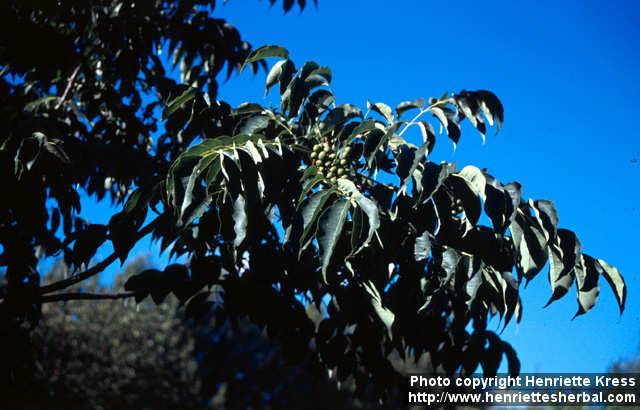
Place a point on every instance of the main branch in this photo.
(94, 270)
(79, 277)
(62, 297)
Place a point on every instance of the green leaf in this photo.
(311, 210)
(409, 105)
(469, 196)
(240, 221)
(448, 122)
(212, 174)
(265, 52)
(547, 216)
(197, 171)
(177, 103)
(143, 283)
(475, 179)
(563, 252)
(530, 244)
(375, 141)
(385, 314)
(253, 124)
(368, 206)
(406, 162)
(616, 281)
(428, 135)
(330, 228)
(466, 103)
(422, 247)
(324, 72)
(247, 108)
(307, 68)
(491, 107)
(363, 128)
(358, 229)
(274, 75)
(499, 204)
(321, 99)
(45, 102)
(339, 115)
(383, 109)
(286, 75)
(87, 243)
(432, 178)
(309, 184)
(372, 211)
(587, 276)
(293, 97)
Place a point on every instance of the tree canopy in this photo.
(326, 224)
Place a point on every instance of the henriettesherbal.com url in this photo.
(532, 389)
(523, 398)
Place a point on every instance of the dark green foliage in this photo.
(326, 225)
(382, 260)
(108, 356)
(116, 355)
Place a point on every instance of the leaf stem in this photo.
(420, 114)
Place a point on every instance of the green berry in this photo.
(333, 180)
(333, 168)
(326, 147)
(317, 148)
(322, 155)
(332, 155)
(341, 172)
(344, 161)
(321, 169)
(313, 155)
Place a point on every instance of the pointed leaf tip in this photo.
(265, 52)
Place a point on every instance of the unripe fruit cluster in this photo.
(329, 165)
(457, 207)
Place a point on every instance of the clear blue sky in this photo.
(567, 73)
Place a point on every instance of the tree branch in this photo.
(68, 87)
(94, 270)
(79, 277)
(63, 297)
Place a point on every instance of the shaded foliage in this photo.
(327, 226)
(108, 356)
(116, 355)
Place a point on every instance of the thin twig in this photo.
(68, 88)
(94, 270)
(61, 297)
(79, 277)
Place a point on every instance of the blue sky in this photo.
(567, 73)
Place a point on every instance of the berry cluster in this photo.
(329, 165)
